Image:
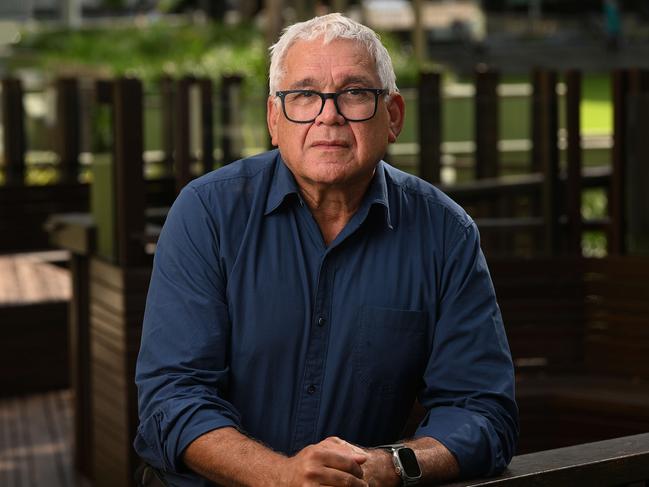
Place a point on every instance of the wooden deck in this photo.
(31, 278)
(35, 441)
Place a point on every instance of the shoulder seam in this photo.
(432, 199)
(195, 185)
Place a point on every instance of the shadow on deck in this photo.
(36, 441)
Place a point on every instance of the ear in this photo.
(272, 117)
(396, 112)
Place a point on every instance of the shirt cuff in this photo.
(162, 438)
(469, 436)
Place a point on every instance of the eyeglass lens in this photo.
(353, 105)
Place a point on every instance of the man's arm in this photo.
(182, 366)
(468, 389)
(229, 458)
(436, 462)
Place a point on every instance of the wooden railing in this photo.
(553, 196)
(617, 462)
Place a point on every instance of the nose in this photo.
(329, 114)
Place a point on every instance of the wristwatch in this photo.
(405, 462)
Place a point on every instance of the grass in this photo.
(596, 107)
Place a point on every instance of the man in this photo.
(302, 299)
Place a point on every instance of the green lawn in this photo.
(596, 108)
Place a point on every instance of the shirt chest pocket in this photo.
(390, 346)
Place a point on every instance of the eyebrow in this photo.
(310, 83)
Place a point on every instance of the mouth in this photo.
(330, 144)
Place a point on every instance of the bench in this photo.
(34, 296)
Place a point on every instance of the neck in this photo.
(333, 207)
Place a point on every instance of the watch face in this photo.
(409, 462)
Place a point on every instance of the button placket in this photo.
(309, 405)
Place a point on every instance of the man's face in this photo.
(331, 151)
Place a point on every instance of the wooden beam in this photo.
(430, 126)
(129, 170)
(616, 204)
(487, 120)
(68, 128)
(229, 93)
(13, 136)
(207, 125)
(573, 181)
(182, 145)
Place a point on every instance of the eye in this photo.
(356, 91)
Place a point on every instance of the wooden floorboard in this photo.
(36, 441)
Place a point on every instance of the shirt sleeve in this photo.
(182, 368)
(469, 380)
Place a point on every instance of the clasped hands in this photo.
(335, 462)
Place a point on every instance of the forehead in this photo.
(338, 61)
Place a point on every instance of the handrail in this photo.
(619, 461)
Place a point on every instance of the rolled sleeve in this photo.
(182, 369)
(469, 379)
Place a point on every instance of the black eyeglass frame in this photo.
(334, 96)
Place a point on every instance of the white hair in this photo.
(331, 27)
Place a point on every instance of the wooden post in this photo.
(13, 136)
(79, 342)
(535, 123)
(228, 129)
(274, 20)
(76, 233)
(129, 174)
(207, 125)
(573, 182)
(487, 133)
(430, 126)
(549, 158)
(418, 31)
(617, 233)
(182, 153)
(117, 296)
(637, 169)
(68, 128)
(167, 96)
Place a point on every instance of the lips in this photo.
(330, 143)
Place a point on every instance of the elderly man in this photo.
(302, 299)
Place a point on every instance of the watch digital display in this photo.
(409, 462)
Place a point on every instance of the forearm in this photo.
(436, 462)
(230, 458)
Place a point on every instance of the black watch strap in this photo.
(396, 450)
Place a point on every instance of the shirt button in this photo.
(310, 389)
(321, 321)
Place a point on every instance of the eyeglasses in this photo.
(355, 104)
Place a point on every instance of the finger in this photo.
(335, 478)
(344, 461)
(360, 456)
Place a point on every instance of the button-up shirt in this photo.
(253, 322)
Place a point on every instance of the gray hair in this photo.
(331, 27)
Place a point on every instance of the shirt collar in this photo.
(377, 195)
(283, 185)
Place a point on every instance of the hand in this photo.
(332, 462)
(378, 470)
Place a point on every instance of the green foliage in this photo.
(150, 49)
(147, 51)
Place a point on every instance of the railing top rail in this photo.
(604, 463)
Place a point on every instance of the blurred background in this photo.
(532, 114)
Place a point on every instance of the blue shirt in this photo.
(253, 322)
